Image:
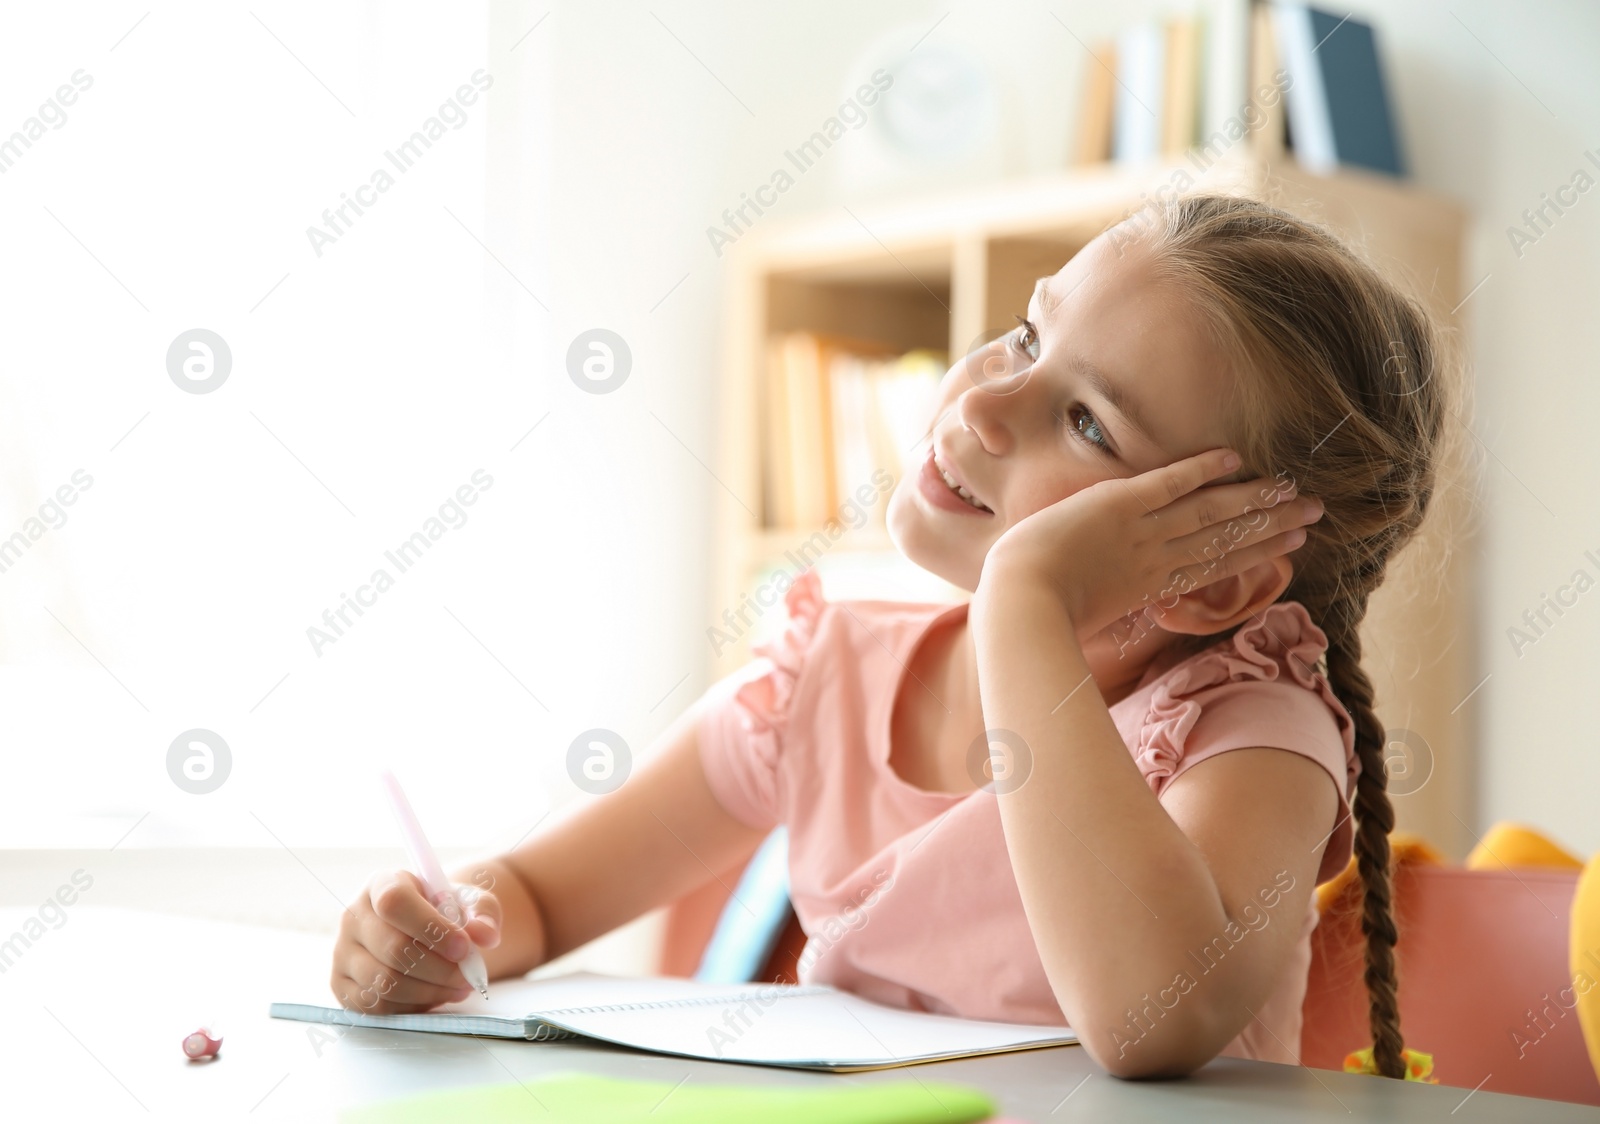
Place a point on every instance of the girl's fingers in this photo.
(483, 915)
(1216, 506)
(1177, 496)
(348, 993)
(363, 996)
(1237, 561)
(399, 899)
(1218, 539)
(484, 932)
(415, 957)
(1221, 506)
(381, 990)
(1160, 487)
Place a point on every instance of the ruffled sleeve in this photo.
(745, 717)
(1259, 688)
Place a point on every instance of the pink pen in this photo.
(428, 869)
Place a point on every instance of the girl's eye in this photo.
(1087, 427)
(1025, 338)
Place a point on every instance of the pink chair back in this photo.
(1484, 982)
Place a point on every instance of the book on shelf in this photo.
(1225, 76)
(1141, 76)
(1097, 107)
(835, 412)
(1180, 93)
(1339, 109)
(1143, 93)
(1162, 88)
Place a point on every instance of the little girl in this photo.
(1101, 792)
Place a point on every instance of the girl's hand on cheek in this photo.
(1122, 543)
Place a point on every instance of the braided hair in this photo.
(1340, 388)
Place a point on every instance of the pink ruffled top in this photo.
(906, 895)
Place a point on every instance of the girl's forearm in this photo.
(522, 931)
(1115, 893)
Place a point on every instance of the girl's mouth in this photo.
(940, 489)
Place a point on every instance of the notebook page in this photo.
(808, 1028)
(513, 1007)
(530, 996)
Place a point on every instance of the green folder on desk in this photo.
(580, 1099)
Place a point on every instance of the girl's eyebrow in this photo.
(1048, 301)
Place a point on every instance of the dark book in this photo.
(1339, 108)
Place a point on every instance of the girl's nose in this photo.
(986, 409)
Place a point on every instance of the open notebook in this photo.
(800, 1027)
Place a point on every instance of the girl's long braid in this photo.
(1344, 383)
(1374, 820)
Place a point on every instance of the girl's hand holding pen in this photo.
(397, 953)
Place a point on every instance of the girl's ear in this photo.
(1230, 601)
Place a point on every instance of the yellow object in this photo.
(1506, 846)
(1584, 956)
(1404, 847)
(1418, 1064)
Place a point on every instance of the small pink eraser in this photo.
(200, 1044)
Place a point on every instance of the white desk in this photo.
(92, 1015)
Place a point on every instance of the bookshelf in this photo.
(938, 272)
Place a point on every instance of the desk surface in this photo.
(94, 1012)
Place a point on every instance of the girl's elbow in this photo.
(1165, 1049)
(1154, 1067)
(1135, 1065)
